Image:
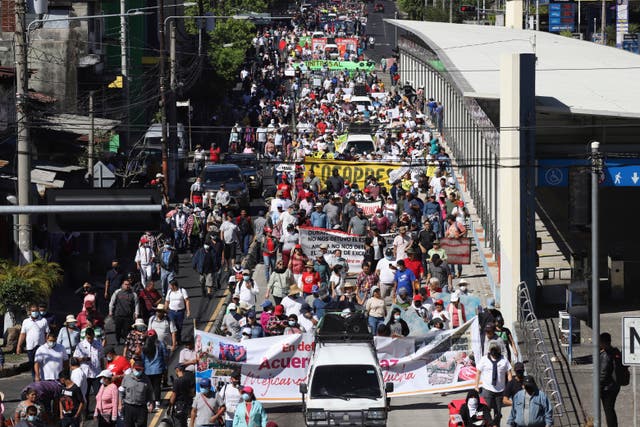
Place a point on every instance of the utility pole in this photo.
(163, 102)
(124, 64)
(23, 143)
(450, 11)
(173, 81)
(603, 19)
(596, 170)
(91, 141)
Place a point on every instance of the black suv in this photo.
(231, 176)
(251, 168)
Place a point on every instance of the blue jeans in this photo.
(246, 242)
(177, 317)
(180, 239)
(453, 268)
(374, 322)
(269, 264)
(165, 277)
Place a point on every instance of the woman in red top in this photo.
(297, 260)
(309, 278)
(268, 252)
(214, 153)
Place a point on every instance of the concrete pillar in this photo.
(514, 13)
(515, 179)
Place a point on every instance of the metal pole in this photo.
(450, 11)
(90, 141)
(579, 15)
(537, 15)
(603, 18)
(42, 209)
(23, 143)
(595, 281)
(172, 55)
(635, 394)
(163, 102)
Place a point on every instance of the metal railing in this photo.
(534, 351)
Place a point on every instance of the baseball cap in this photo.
(105, 374)
(266, 303)
(232, 306)
(279, 310)
(205, 382)
(417, 297)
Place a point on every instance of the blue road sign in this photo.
(617, 172)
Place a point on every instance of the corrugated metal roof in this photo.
(80, 125)
(572, 75)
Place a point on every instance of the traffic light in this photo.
(467, 8)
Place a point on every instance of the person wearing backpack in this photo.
(168, 266)
(613, 375)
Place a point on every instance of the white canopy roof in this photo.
(572, 75)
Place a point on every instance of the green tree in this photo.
(21, 285)
(228, 46)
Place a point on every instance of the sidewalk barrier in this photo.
(535, 353)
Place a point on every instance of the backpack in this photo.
(621, 373)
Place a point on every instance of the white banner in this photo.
(368, 208)
(275, 366)
(352, 246)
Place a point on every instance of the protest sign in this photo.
(354, 172)
(368, 208)
(458, 250)
(436, 362)
(352, 246)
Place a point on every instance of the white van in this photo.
(345, 383)
(153, 141)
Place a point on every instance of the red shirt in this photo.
(286, 190)
(118, 366)
(271, 247)
(415, 266)
(214, 155)
(308, 280)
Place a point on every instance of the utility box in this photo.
(569, 326)
(616, 274)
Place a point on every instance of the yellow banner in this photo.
(350, 170)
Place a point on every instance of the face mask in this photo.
(137, 373)
(396, 316)
(42, 313)
(205, 389)
(140, 329)
(472, 403)
(51, 344)
(389, 257)
(31, 418)
(72, 325)
(292, 323)
(109, 358)
(379, 215)
(35, 314)
(463, 288)
(102, 381)
(246, 397)
(206, 247)
(246, 277)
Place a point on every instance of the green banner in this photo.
(338, 65)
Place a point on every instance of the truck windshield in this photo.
(221, 176)
(345, 382)
(361, 146)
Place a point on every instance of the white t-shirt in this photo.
(292, 306)
(164, 328)
(229, 231)
(79, 378)
(35, 332)
(387, 275)
(177, 299)
(188, 355)
(486, 373)
(50, 360)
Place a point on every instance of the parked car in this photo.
(231, 176)
(252, 171)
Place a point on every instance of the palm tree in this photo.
(21, 285)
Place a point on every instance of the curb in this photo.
(14, 369)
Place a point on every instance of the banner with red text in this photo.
(458, 250)
(275, 366)
(368, 208)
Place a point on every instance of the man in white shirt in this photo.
(494, 371)
(247, 289)
(223, 198)
(32, 334)
(386, 273)
(49, 359)
(229, 235)
(292, 303)
(401, 243)
(164, 327)
(90, 354)
(188, 356)
(145, 261)
(199, 158)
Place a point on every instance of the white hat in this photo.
(232, 306)
(105, 374)
(159, 175)
(244, 306)
(138, 322)
(455, 297)
(160, 307)
(70, 319)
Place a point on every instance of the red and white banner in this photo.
(352, 246)
(458, 250)
(275, 366)
(368, 208)
(349, 43)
